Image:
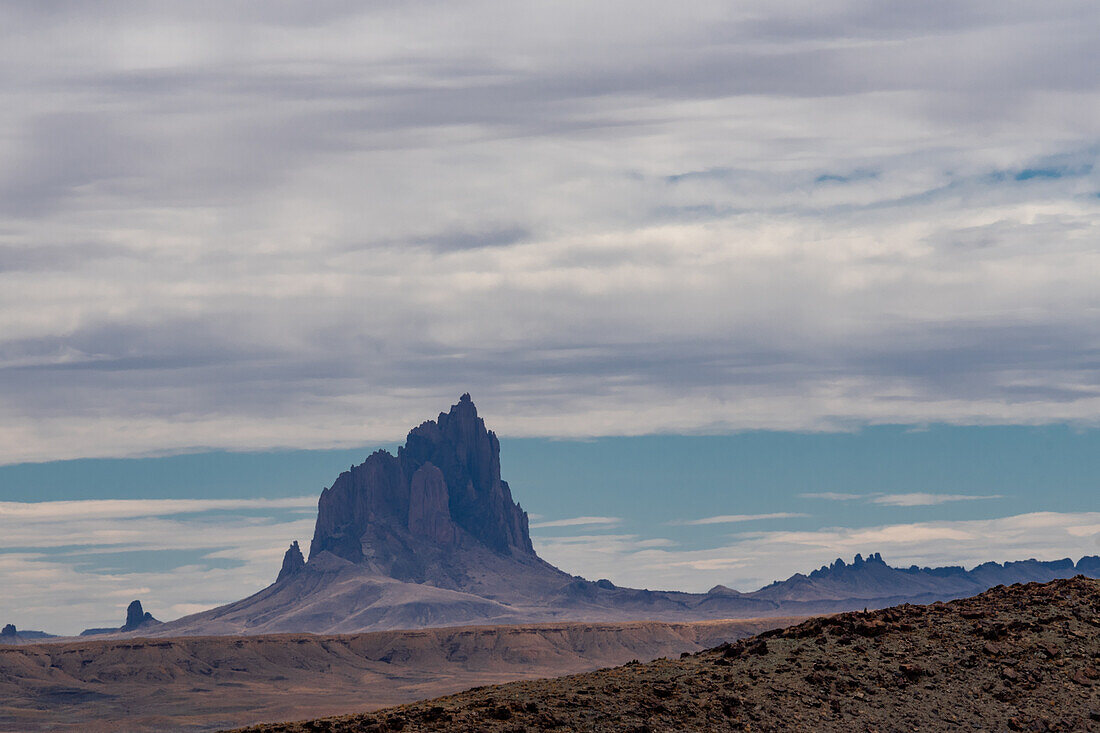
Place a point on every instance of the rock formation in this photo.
(137, 619)
(10, 635)
(292, 561)
(874, 580)
(408, 516)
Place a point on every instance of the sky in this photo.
(277, 231)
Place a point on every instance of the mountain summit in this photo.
(411, 516)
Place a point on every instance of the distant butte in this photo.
(137, 619)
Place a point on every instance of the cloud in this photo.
(732, 518)
(13, 511)
(923, 499)
(70, 565)
(754, 559)
(833, 496)
(738, 217)
(576, 522)
(908, 499)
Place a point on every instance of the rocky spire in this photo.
(292, 561)
(136, 617)
(9, 630)
(468, 455)
(443, 486)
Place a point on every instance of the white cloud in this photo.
(176, 556)
(14, 511)
(576, 522)
(754, 559)
(733, 518)
(917, 498)
(925, 499)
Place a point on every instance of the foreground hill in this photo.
(1024, 657)
(431, 536)
(204, 683)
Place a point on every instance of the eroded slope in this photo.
(203, 683)
(1023, 657)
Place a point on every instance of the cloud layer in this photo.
(749, 560)
(916, 498)
(243, 226)
(71, 565)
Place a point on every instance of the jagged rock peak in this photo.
(9, 630)
(443, 487)
(136, 617)
(292, 561)
(135, 614)
(857, 562)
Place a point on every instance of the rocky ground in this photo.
(1024, 657)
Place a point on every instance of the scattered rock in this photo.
(1051, 651)
(911, 672)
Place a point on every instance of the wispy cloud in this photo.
(69, 565)
(925, 499)
(918, 498)
(833, 496)
(734, 518)
(132, 508)
(756, 558)
(576, 522)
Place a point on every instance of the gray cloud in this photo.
(242, 226)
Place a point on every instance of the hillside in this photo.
(1024, 657)
(203, 683)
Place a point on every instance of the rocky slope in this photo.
(1024, 657)
(203, 683)
(432, 537)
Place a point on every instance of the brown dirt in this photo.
(204, 683)
(1025, 657)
